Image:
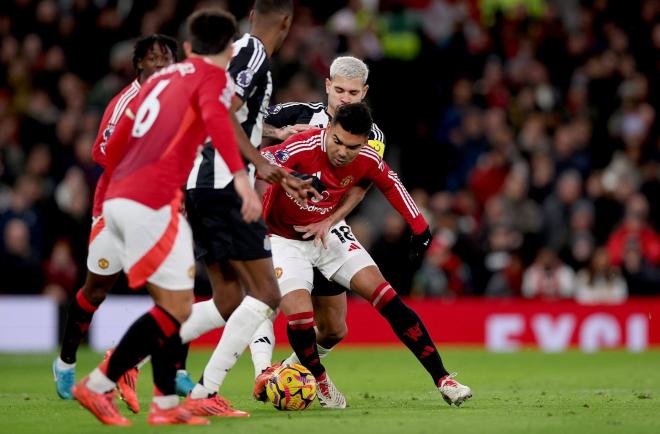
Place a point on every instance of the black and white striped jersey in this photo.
(250, 70)
(315, 113)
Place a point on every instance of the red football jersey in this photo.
(113, 112)
(178, 108)
(306, 153)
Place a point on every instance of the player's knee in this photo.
(332, 333)
(227, 303)
(268, 291)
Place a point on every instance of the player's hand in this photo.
(318, 230)
(270, 173)
(297, 188)
(251, 207)
(288, 131)
(318, 187)
(419, 244)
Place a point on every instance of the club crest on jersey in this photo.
(244, 78)
(282, 155)
(346, 181)
(104, 263)
(274, 109)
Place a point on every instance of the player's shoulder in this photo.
(249, 52)
(376, 133)
(307, 137)
(369, 156)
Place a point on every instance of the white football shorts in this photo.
(155, 245)
(294, 260)
(103, 256)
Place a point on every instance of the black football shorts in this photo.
(219, 231)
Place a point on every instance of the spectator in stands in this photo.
(600, 282)
(19, 265)
(548, 278)
(635, 233)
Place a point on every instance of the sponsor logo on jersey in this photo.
(104, 263)
(274, 109)
(244, 78)
(282, 155)
(346, 181)
(325, 194)
(278, 272)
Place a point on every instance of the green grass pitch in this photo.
(388, 392)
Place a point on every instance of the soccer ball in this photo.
(291, 387)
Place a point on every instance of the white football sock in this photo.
(167, 401)
(237, 334)
(64, 366)
(293, 358)
(99, 383)
(204, 317)
(261, 347)
(200, 391)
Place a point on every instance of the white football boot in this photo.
(328, 394)
(452, 391)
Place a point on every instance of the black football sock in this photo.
(410, 329)
(164, 365)
(78, 319)
(155, 333)
(181, 355)
(302, 337)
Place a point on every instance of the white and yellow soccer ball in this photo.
(291, 387)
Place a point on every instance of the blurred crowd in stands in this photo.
(526, 129)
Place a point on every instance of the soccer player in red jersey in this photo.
(337, 158)
(149, 159)
(150, 54)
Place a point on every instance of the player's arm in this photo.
(104, 132)
(117, 144)
(280, 122)
(387, 181)
(266, 171)
(214, 103)
(319, 230)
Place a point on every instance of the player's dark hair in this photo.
(354, 118)
(210, 30)
(143, 45)
(264, 7)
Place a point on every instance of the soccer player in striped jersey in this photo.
(150, 54)
(347, 84)
(337, 158)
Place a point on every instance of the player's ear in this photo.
(187, 48)
(365, 89)
(286, 23)
(328, 84)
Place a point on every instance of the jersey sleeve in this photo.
(282, 115)
(388, 182)
(248, 67)
(104, 133)
(117, 144)
(214, 99)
